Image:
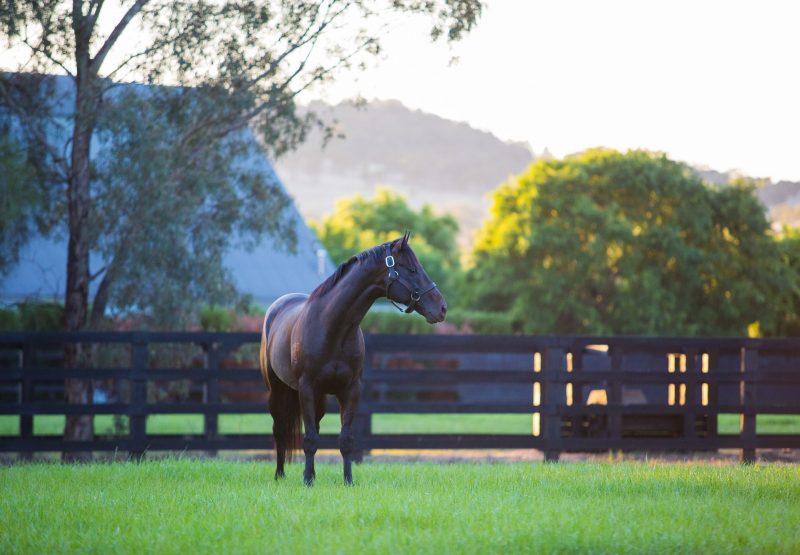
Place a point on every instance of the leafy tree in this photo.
(786, 303)
(610, 243)
(18, 200)
(245, 61)
(359, 223)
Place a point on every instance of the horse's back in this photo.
(276, 337)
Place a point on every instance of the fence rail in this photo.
(583, 393)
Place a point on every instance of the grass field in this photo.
(381, 424)
(210, 506)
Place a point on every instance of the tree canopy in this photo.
(359, 223)
(609, 243)
(170, 179)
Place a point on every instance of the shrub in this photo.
(32, 316)
(9, 319)
(216, 318)
(458, 321)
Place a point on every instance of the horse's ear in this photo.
(404, 242)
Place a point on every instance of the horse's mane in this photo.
(329, 283)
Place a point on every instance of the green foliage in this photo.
(9, 319)
(609, 243)
(41, 316)
(214, 506)
(174, 190)
(18, 200)
(166, 212)
(482, 322)
(32, 316)
(359, 223)
(786, 303)
(458, 321)
(392, 321)
(216, 318)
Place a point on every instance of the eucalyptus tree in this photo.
(234, 65)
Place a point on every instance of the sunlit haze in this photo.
(712, 83)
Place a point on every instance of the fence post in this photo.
(211, 395)
(138, 405)
(26, 394)
(553, 361)
(693, 367)
(713, 393)
(615, 405)
(747, 397)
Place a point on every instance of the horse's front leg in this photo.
(348, 402)
(308, 404)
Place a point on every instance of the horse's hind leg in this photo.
(348, 402)
(280, 442)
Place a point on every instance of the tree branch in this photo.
(98, 59)
(39, 50)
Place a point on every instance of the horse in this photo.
(313, 346)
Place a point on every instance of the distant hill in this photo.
(782, 199)
(432, 160)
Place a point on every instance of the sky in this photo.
(712, 83)
(715, 84)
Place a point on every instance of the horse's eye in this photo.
(413, 270)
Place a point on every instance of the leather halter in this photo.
(394, 277)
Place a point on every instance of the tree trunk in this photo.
(79, 427)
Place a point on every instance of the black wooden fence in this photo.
(582, 393)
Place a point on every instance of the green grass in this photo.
(765, 424)
(381, 424)
(185, 506)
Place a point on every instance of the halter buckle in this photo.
(390, 261)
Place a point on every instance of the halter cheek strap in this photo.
(394, 277)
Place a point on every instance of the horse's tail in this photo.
(284, 406)
(287, 422)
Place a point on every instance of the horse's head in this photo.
(407, 282)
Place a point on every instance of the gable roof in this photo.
(266, 272)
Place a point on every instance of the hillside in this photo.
(432, 160)
(782, 199)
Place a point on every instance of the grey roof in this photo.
(265, 272)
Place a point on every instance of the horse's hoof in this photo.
(308, 483)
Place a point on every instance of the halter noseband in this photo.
(394, 277)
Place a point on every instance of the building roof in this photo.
(265, 272)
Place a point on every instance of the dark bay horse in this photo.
(312, 345)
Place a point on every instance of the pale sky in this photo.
(710, 83)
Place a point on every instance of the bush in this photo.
(483, 322)
(458, 321)
(216, 318)
(394, 322)
(9, 319)
(32, 316)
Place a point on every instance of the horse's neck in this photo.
(345, 305)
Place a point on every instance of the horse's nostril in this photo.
(444, 309)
